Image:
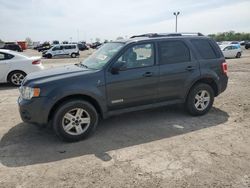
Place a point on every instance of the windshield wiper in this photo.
(82, 65)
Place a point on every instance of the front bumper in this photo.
(34, 110)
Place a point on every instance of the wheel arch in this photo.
(9, 74)
(87, 98)
(206, 80)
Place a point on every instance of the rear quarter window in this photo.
(205, 48)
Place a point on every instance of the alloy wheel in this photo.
(76, 121)
(202, 99)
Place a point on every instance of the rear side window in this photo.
(4, 56)
(67, 47)
(173, 52)
(204, 48)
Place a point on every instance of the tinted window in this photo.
(67, 47)
(234, 47)
(173, 52)
(4, 56)
(204, 48)
(138, 56)
(56, 48)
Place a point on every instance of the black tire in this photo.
(73, 55)
(49, 56)
(59, 120)
(191, 100)
(238, 55)
(16, 78)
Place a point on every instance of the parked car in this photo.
(231, 51)
(124, 76)
(13, 47)
(14, 66)
(44, 48)
(55, 42)
(247, 45)
(82, 46)
(62, 50)
(95, 45)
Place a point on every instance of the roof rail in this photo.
(152, 35)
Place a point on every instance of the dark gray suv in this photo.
(142, 72)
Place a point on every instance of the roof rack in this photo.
(152, 35)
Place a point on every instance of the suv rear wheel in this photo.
(75, 120)
(200, 99)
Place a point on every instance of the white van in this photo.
(62, 50)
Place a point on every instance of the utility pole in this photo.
(176, 14)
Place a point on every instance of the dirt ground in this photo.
(163, 147)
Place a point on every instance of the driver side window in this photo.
(137, 56)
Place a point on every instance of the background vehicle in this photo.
(55, 42)
(14, 66)
(247, 45)
(231, 51)
(82, 46)
(124, 76)
(14, 47)
(95, 45)
(43, 47)
(62, 50)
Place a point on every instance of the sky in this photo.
(47, 20)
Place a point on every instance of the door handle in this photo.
(190, 68)
(147, 74)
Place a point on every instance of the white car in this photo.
(231, 50)
(62, 50)
(15, 66)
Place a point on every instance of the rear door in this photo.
(136, 82)
(209, 56)
(178, 67)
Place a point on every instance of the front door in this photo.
(135, 82)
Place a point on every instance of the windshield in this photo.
(100, 57)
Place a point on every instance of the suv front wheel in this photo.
(75, 120)
(200, 99)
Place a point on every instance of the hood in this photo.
(56, 74)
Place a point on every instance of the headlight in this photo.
(28, 92)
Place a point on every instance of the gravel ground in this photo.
(163, 147)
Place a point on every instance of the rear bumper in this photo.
(223, 84)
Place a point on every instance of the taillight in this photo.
(224, 68)
(37, 62)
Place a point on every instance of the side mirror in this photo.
(117, 66)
